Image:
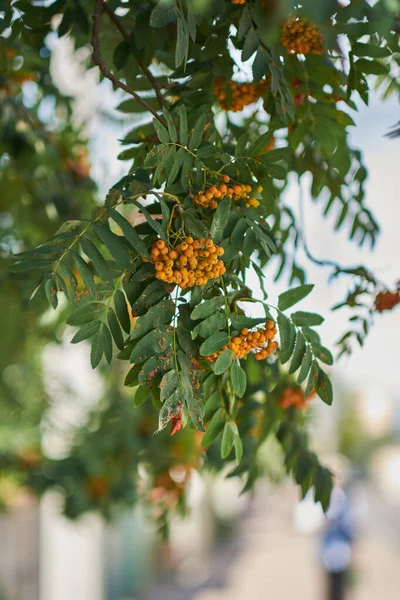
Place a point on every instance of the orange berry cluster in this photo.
(192, 262)
(260, 340)
(387, 300)
(301, 37)
(293, 396)
(238, 1)
(210, 197)
(242, 93)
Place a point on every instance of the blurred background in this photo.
(228, 546)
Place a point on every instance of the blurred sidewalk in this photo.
(277, 562)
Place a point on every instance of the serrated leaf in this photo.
(121, 54)
(85, 313)
(152, 222)
(238, 448)
(220, 219)
(209, 325)
(157, 315)
(115, 245)
(183, 127)
(214, 343)
(291, 297)
(323, 386)
(239, 379)
(86, 332)
(228, 438)
(155, 367)
(322, 353)
(287, 334)
(323, 485)
(178, 161)
(214, 428)
(97, 259)
(96, 351)
(142, 392)
(223, 362)
(312, 378)
(163, 13)
(168, 385)
(301, 318)
(50, 288)
(115, 329)
(29, 265)
(298, 353)
(130, 233)
(305, 365)
(182, 41)
(250, 44)
(241, 321)
(195, 226)
(84, 270)
(121, 309)
(197, 134)
(132, 377)
(207, 308)
(154, 342)
(162, 133)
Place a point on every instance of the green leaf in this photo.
(162, 133)
(301, 318)
(121, 309)
(196, 227)
(115, 245)
(157, 315)
(239, 379)
(163, 13)
(132, 377)
(250, 44)
(238, 448)
(371, 67)
(214, 343)
(291, 297)
(86, 332)
(182, 41)
(260, 64)
(154, 342)
(85, 313)
(115, 329)
(96, 351)
(97, 259)
(130, 233)
(84, 270)
(101, 344)
(241, 321)
(220, 219)
(50, 288)
(121, 54)
(168, 385)
(205, 328)
(183, 127)
(323, 387)
(207, 308)
(214, 428)
(197, 134)
(152, 222)
(142, 392)
(223, 362)
(298, 353)
(370, 50)
(305, 365)
(322, 353)
(228, 438)
(287, 334)
(29, 265)
(312, 378)
(173, 134)
(178, 161)
(155, 367)
(323, 484)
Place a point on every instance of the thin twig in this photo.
(125, 34)
(98, 60)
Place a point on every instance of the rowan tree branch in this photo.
(125, 34)
(100, 62)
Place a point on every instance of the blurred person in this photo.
(337, 545)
